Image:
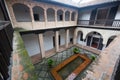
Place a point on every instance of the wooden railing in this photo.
(6, 36)
(109, 23)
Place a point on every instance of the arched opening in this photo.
(67, 16)
(38, 13)
(50, 14)
(94, 39)
(22, 12)
(80, 37)
(59, 15)
(73, 16)
(110, 40)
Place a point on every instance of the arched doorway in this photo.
(110, 40)
(95, 40)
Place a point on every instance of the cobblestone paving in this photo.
(43, 70)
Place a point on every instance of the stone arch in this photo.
(110, 39)
(21, 12)
(60, 15)
(67, 15)
(38, 13)
(50, 14)
(94, 39)
(73, 14)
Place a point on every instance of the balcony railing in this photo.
(108, 23)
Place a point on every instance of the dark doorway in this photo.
(36, 17)
(53, 41)
(71, 40)
(95, 42)
(89, 40)
(60, 17)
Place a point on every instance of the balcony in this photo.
(100, 23)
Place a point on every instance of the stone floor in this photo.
(43, 71)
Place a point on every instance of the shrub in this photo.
(76, 50)
(50, 62)
(93, 57)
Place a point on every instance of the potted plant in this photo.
(50, 62)
(93, 57)
(76, 50)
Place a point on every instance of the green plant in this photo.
(76, 50)
(93, 57)
(50, 62)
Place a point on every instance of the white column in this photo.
(32, 17)
(70, 15)
(55, 17)
(57, 41)
(75, 37)
(45, 17)
(41, 43)
(67, 38)
(64, 17)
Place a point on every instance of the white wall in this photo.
(31, 43)
(85, 16)
(62, 37)
(48, 40)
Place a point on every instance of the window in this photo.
(102, 16)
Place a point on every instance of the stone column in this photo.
(75, 37)
(45, 17)
(55, 17)
(67, 38)
(70, 15)
(57, 41)
(41, 43)
(32, 17)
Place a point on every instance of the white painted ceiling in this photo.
(83, 3)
